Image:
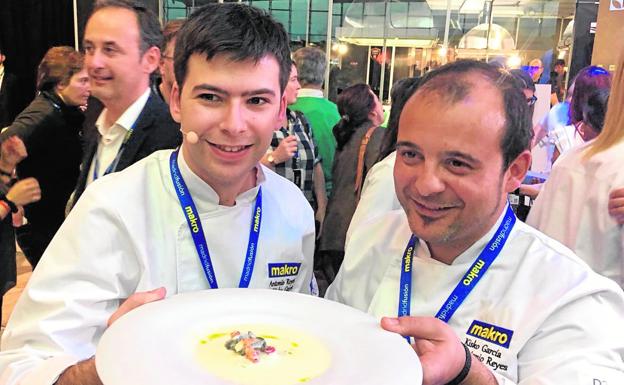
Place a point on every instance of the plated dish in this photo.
(252, 337)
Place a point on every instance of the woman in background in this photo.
(50, 128)
(358, 140)
(587, 81)
(573, 206)
(378, 195)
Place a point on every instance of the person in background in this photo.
(122, 43)
(573, 204)
(536, 68)
(557, 82)
(50, 127)
(294, 155)
(401, 91)
(359, 139)
(556, 120)
(378, 196)
(131, 240)
(483, 298)
(526, 84)
(587, 81)
(517, 198)
(14, 195)
(320, 112)
(167, 77)
(8, 82)
(593, 112)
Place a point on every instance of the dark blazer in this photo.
(154, 130)
(7, 99)
(51, 133)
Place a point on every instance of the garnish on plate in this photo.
(248, 345)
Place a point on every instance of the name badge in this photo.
(491, 333)
(286, 269)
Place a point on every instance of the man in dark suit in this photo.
(134, 122)
(7, 87)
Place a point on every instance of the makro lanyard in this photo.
(111, 167)
(470, 279)
(197, 232)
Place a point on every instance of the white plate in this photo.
(154, 344)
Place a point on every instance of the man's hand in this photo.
(84, 373)
(136, 300)
(440, 352)
(12, 151)
(285, 150)
(531, 190)
(616, 205)
(24, 192)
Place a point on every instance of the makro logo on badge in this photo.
(278, 270)
(491, 333)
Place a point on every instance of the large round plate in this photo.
(154, 344)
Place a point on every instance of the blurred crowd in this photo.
(243, 130)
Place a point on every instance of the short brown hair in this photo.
(170, 31)
(58, 66)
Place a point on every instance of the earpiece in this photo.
(191, 137)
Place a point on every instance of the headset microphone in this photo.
(191, 137)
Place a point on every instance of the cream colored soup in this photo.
(298, 357)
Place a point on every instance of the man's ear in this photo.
(174, 102)
(60, 87)
(517, 170)
(281, 116)
(151, 59)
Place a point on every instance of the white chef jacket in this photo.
(562, 322)
(573, 208)
(128, 234)
(378, 194)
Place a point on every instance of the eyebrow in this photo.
(455, 154)
(107, 43)
(405, 143)
(464, 156)
(208, 87)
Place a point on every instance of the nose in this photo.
(94, 59)
(428, 182)
(234, 120)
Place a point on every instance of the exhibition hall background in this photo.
(372, 41)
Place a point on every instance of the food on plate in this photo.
(264, 355)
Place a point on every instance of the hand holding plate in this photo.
(136, 300)
(440, 351)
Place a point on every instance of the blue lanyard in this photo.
(192, 218)
(111, 167)
(469, 280)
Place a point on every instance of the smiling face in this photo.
(76, 92)
(449, 169)
(119, 72)
(234, 107)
